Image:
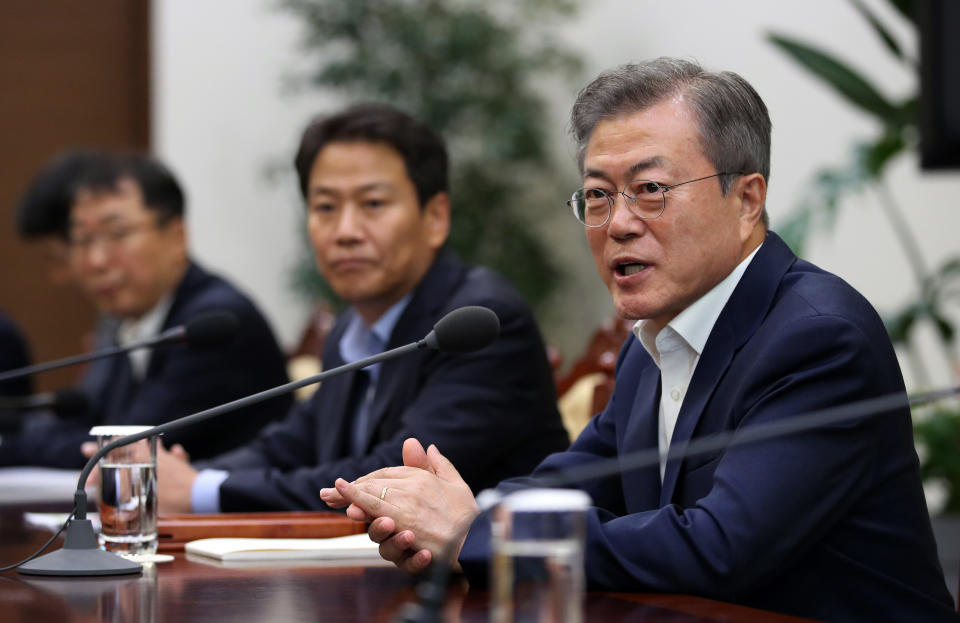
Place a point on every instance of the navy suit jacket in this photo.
(829, 524)
(493, 412)
(179, 381)
(13, 354)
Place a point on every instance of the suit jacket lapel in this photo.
(334, 414)
(96, 380)
(738, 321)
(714, 361)
(391, 375)
(423, 310)
(337, 432)
(192, 280)
(641, 487)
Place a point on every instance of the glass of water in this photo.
(537, 569)
(128, 493)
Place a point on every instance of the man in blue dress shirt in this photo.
(378, 215)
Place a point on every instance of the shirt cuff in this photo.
(205, 493)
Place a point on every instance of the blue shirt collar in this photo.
(360, 341)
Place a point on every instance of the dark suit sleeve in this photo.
(492, 412)
(282, 445)
(768, 501)
(191, 379)
(180, 381)
(13, 354)
(46, 440)
(734, 537)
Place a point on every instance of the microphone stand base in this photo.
(81, 556)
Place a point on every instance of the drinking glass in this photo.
(128, 492)
(537, 570)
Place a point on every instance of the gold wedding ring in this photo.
(383, 493)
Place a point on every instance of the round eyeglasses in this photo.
(645, 198)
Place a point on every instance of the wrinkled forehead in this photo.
(659, 137)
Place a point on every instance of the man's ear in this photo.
(175, 231)
(750, 192)
(436, 219)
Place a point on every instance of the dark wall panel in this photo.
(71, 74)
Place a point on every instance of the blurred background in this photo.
(221, 89)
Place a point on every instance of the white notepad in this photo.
(27, 485)
(352, 547)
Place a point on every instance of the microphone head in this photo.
(70, 402)
(464, 329)
(211, 328)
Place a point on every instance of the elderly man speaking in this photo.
(733, 331)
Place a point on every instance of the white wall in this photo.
(221, 117)
(222, 121)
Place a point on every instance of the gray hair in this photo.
(732, 119)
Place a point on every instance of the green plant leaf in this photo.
(944, 327)
(906, 8)
(937, 288)
(877, 155)
(949, 268)
(939, 433)
(856, 89)
(899, 324)
(795, 230)
(879, 28)
(908, 111)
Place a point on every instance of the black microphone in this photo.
(432, 590)
(67, 402)
(465, 329)
(205, 329)
(462, 330)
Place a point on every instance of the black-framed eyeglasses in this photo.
(111, 239)
(645, 198)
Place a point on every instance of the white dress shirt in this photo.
(676, 349)
(145, 327)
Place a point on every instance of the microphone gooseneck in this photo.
(455, 332)
(205, 329)
(452, 328)
(67, 402)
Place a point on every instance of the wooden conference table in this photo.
(190, 589)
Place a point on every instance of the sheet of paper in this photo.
(353, 547)
(26, 485)
(53, 521)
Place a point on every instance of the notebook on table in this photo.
(174, 531)
(353, 547)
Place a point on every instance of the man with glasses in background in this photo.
(733, 331)
(122, 219)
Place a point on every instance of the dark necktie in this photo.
(359, 409)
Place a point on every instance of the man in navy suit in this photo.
(378, 215)
(123, 218)
(733, 331)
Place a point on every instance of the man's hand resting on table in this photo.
(416, 510)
